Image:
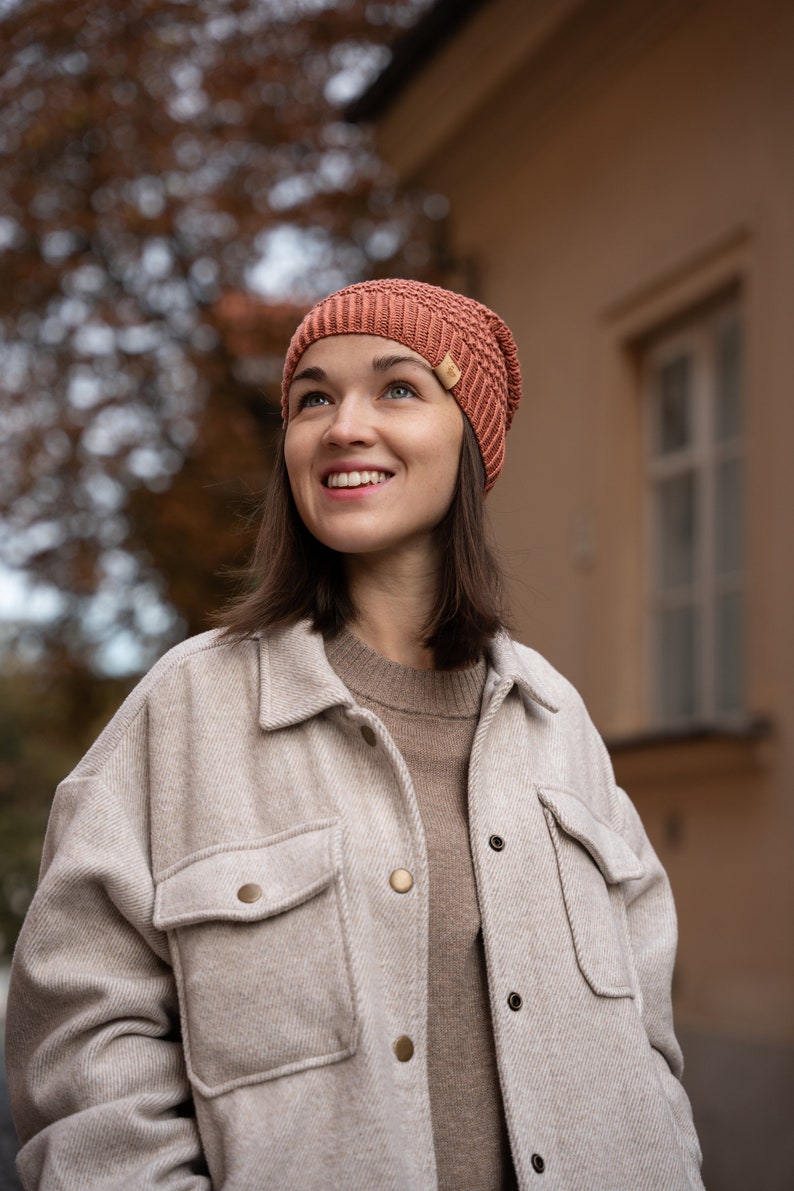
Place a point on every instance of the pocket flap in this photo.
(608, 849)
(251, 881)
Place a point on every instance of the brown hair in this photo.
(296, 577)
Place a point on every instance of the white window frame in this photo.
(696, 337)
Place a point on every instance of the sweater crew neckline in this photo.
(448, 694)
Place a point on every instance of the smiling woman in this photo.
(357, 411)
(355, 866)
(358, 399)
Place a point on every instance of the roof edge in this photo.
(410, 53)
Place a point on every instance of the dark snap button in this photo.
(538, 1165)
(496, 842)
(514, 1001)
(369, 735)
(403, 1047)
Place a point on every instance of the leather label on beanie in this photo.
(448, 372)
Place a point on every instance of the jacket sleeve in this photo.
(95, 1066)
(653, 937)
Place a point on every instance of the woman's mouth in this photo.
(355, 479)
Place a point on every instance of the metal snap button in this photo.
(369, 735)
(496, 842)
(401, 880)
(403, 1047)
(514, 1000)
(249, 893)
(538, 1164)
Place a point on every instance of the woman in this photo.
(345, 895)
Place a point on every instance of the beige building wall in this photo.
(613, 167)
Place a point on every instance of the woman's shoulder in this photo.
(208, 652)
(206, 659)
(536, 675)
(211, 669)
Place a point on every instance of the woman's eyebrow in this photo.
(314, 373)
(384, 363)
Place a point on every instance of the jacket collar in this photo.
(297, 681)
(507, 665)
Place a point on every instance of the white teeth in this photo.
(355, 479)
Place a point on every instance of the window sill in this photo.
(694, 752)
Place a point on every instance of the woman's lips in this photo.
(355, 478)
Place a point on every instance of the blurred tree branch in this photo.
(149, 154)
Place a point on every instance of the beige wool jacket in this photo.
(215, 968)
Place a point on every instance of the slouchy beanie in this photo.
(470, 349)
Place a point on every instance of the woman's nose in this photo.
(350, 423)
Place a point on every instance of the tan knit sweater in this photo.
(432, 716)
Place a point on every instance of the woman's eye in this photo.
(312, 400)
(399, 390)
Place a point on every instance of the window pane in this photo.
(728, 652)
(676, 663)
(729, 516)
(676, 521)
(728, 420)
(673, 405)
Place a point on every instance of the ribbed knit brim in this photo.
(462, 340)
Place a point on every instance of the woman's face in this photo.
(372, 446)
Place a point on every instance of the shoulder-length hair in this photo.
(293, 577)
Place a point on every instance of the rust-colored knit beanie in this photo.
(470, 349)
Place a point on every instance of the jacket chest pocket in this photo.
(593, 861)
(261, 951)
